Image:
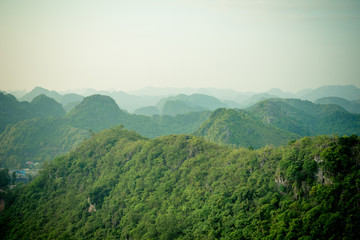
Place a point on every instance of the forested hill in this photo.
(43, 139)
(119, 185)
(306, 118)
(12, 111)
(239, 128)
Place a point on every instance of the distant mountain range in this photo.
(45, 138)
(110, 174)
(350, 106)
(271, 121)
(135, 101)
(12, 111)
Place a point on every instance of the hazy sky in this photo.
(245, 45)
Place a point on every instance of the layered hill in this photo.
(350, 106)
(238, 128)
(37, 140)
(96, 112)
(349, 92)
(306, 118)
(119, 185)
(182, 104)
(45, 138)
(65, 99)
(12, 111)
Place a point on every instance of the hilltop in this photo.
(119, 185)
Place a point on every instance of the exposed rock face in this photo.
(91, 207)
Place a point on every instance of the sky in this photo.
(244, 45)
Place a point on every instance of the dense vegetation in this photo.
(273, 121)
(119, 185)
(182, 104)
(43, 139)
(350, 106)
(63, 99)
(12, 111)
(306, 118)
(239, 128)
(37, 140)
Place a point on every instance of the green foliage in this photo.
(12, 111)
(43, 139)
(182, 104)
(4, 178)
(182, 187)
(37, 140)
(306, 118)
(239, 128)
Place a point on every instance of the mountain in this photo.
(147, 111)
(350, 106)
(70, 98)
(255, 98)
(45, 106)
(194, 100)
(12, 111)
(305, 117)
(182, 103)
(119, 185)
(280, 94)
(45, 138)
(39, 91)
(126, 101)
(175, 107)
(37, 140)
(349, 92)
(96, 112)
(63, 99)
(231, 127)
(271, 113)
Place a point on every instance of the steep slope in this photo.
(240, 129)
(45, 106)
(349, 92)
(188, 103)
(12, 111)
(37, 140)
(175, 107)
(96, 113)
(39, 91)
(147, 111)
(46, 138)
(63, 99)
(118, 185)
(350, 106)
(308, 118)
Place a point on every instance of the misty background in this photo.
(127, 45)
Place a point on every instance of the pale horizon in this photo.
(246, 46)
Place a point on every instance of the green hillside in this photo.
(238, 128)
(43, 139)
(44, 106)
(306, 118)
(175, 107)
(182, 103)
(147, 111)
(271, 113)
(119, 185)
(350, 106)
(96, 113)
(12, 111)
(37, 140)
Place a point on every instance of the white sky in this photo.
(245, 45)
